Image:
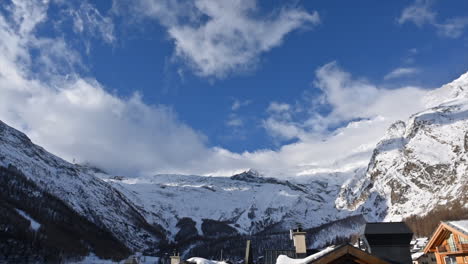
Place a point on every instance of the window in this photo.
(451, 243)
(463, 240)
(450, 260)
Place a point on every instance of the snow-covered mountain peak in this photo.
(252, 176)
(396, 130)
(456, 90)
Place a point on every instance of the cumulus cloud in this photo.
(219, 37)
(283, 129)
(344, 137)
(280, 124)
(356, 98)
(401, 72)
(421, 13)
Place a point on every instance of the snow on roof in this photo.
(419, 243)
(415, 256)
(34, 224)
(461, 225)
(283, 259)
(197, 260)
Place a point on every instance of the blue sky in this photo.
(241, 83)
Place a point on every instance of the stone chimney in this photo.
(248, 253)
(175, 259)
(299, 239)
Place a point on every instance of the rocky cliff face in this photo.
(419, 163)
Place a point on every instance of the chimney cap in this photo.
(298, 229)
(387, 228)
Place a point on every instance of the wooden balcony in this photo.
(459, 248)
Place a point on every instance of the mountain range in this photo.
(57, 210)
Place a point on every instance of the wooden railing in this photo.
(448, 249)
(464, 247)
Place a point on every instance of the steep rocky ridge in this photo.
(419, 164)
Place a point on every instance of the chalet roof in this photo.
(461, 226)
(387, 228)
(342, 254)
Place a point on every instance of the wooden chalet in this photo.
(449, 242)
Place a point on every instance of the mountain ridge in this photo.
(418, 164)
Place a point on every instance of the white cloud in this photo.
(219, 37)
(401, 72)
(420, 13)
(410, 56)
(453, 28)
(88, 20)
(278, 107)
(362, 112)
(234, 121)
(349, 97)
(352, 98)
(285, 130)
(238, 104)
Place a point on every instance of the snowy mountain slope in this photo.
(247, 202)
(78, 188)
(144, 212)
(37, 227)
(419, 164)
